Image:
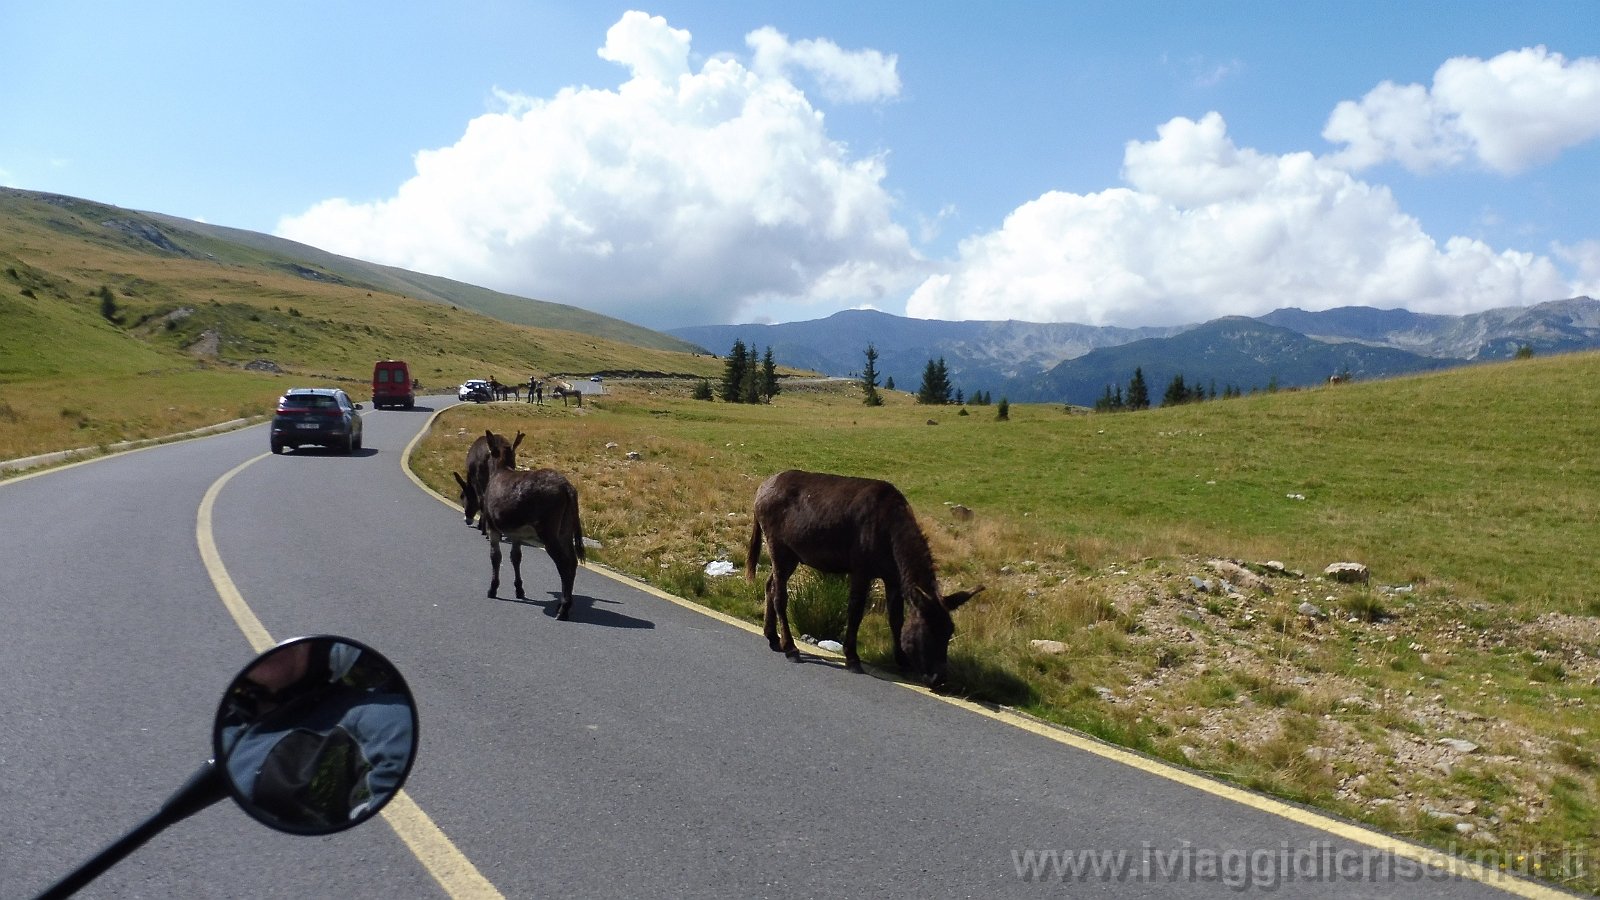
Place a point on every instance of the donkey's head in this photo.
(502, 451)
(925, 637)
(469, 497)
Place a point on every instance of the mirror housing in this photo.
(315, 735)
(358, 406)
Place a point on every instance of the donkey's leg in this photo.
(895, 602)
(770, 623)
(566, 559)
(860, 585)
(494, 560)
(781, 570)
(516, 566)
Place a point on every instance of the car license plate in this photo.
(311, 425)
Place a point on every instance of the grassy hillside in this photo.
(190, 312)
(506, 307)
(1473, 495)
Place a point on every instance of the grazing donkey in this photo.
(524, 506)
(865, 529)
(479, 457)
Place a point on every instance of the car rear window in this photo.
(308, 401)
(383, 376)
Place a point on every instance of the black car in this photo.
(321, 416)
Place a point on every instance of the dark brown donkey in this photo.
(526, 506)
(861, 528)
(477, 480)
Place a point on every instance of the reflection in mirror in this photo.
(316, 735)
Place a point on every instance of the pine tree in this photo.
(935, 384)
(1138, 393)
(959, 401)
(1003, 413)
(702, 391)
(108, 304)
(769, 376)
(889, 385)
(1104, 403)
(1177, 392)
(750, 389)
(869, 379)
(733, 373)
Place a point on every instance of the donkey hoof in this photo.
(563, 612)
(776, 647)
(794, 655)
(853, 665)
(521, 595)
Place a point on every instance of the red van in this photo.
(391, 385)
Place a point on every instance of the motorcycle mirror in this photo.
(316, 735)
(313, 736)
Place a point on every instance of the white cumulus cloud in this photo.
(859, 75)
(1210, 229)
(1517, 110)
(681, 197)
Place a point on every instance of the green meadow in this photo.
(1472, 496)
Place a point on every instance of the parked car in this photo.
(475, 390)
(391, 385)
(595, 378)
(321, 416)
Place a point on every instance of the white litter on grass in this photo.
(830, 646)
(1296, 496)
(719, 567)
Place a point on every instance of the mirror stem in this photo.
(205, 787)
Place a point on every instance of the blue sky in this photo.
(998, 179)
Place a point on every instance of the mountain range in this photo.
(1036, 362)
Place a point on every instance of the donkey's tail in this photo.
(754, 555)
(577, 528)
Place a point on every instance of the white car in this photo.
(475, 389)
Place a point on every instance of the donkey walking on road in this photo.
(865, 529)
(524, 506)
(479, 459)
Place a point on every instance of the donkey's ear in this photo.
(514, 443)
(459, 481)
(953, 601)
(488, 434)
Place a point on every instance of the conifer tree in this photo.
(935, 384)
(733, 373)
(769, 376)
(1177, 392)
(1138, 393)
(750, 389)
(1003, 413)
(869, 379)
(889, 384)
(702, 391)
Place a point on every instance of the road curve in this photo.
(641, 749)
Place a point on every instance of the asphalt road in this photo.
(639, 750)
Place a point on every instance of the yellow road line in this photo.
(256, 633)
(432, 847)
(1509, 882)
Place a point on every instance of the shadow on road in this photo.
(329, 451)
(584, 610)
